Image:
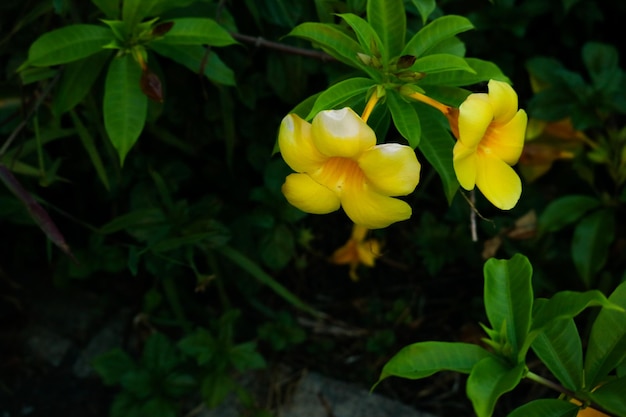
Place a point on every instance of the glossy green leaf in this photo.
(405, 118)
(195, 58)
(196, 31)
(565, 210)
(425, 8)
(435, 32)
(436, 144)
(432, 64)
(491, 378)
(367, 36)
(612, 396)
(388, 19)
(483, 71)
(334, 42)
(424, 359)
(567, 305)
(508, 298)
(125, 106)
(158, 7)
(546, 408)
(215, 387)
(68, 44)
(338, 94)
(559, 347)
(607, 342)
(76, 81)
(110, 8)
(90, 146)
(593, 236)
(133, 12)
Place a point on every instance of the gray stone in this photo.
(315, 395)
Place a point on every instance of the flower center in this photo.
(339, 173)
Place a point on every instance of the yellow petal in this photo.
(371, 209)
(475, 116)
(507, 141)
(347, 254)
(296, 145)
(392, 168)
(368, 252)
(341, 133)
(503, 99)
(498, 182)
(309, 196)
(464, 161)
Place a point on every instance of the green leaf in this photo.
(68, 44)
(509, 298)
(90, 146)
(367, 36)
(159, 354)
(245, 357)
(388, 19)
(546, 408)
(564, 211)
(607, 341)
(567, 305)
(215, 387)
(76, 81)
(559, 347)
(338, 94)
(424, 359)
(196, 58)
(178, 384)
(112, 365)
(140, 218)
(611, 396)
(590, 245)
(432, 64)
(483, 71)
(602, 62)
(253, 269)
(110, 8)
(435, 32)
(133, 12)
(490, 378)
(277, 247)
(138, 382)
(425, 8)
(334, 42)
(405, 118)
(125, 106)
(196, 31)
(160, 407)
(200, 345)
(436, 144)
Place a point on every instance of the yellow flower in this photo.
(357, 251)
(338, 164)
(490, 137)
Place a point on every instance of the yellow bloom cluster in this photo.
(338, 164)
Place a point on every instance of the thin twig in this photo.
(261, 42)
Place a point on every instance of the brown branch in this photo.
(261, 42)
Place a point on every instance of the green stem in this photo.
(553, 385)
